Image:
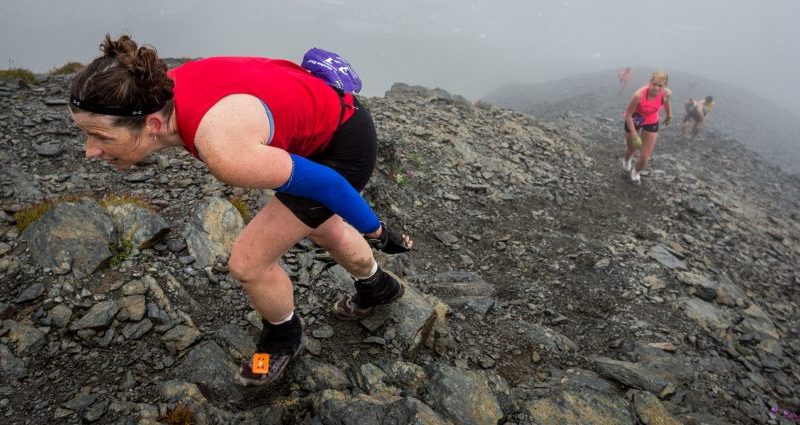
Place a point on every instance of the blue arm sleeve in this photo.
(324, 185)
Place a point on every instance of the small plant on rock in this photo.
(67, 68)
(123, 199)
(179, 415)
(121, 252)
(18, 74)
(28, 215)
(241, 206)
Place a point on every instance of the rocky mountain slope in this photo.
(758, 123)
(543, 287)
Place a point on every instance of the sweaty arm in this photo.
(630, 110)
(228, 141)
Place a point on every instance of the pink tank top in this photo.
(649, 108)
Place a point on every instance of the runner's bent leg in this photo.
(255, 255)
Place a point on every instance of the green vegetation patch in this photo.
(125, 199)
(18, 74)
(242, 207)
(67, 68)
(30, 214)
(121, 252)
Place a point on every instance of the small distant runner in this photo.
(641, 116)
(697, 112)
(624, 76)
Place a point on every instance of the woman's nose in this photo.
(92, 151)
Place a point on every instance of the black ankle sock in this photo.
(377, 289)
(283, 338)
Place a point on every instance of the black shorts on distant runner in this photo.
(352, 153)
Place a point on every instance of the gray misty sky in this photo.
(467, 47)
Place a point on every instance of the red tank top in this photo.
(649, 108)
(304, 108)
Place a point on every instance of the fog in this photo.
(467, 47)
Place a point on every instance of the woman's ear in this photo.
(154, 123)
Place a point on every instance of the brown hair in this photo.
(125, 76)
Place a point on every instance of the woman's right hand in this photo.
(386, 240)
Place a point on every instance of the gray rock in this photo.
(180, 338)
(546, 338)
(462, 396)
(580, 408)
(140, 176)
(409, 377)
(30, 293)
(706, 314)
(60, 315)
(80, 402)
(704, 287)
(10, 364)
(180, 391)
(99, 316)
(134, 287)
(661, 254)
(237, 342)
(208, 364)
(634, 375)
(138, 225)
(463, 289)
(81, 229)
(757, 323)
(5, 311)
(96, 411)
(580, 379)
(132, 308)
(371, 379)
(313, 375)
(214, 225)
(650, 410)
(26, 188)
(323, 332)
(133, 331)
(49, 149)
(338, 408)
(25, 340)
(414, 316)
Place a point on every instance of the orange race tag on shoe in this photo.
(260, 363)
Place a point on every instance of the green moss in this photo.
(28, 215)
(67, 68)
(125, 199)
(241, 206)
(121, 252)
(18, 74)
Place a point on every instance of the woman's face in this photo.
(657, 84)
(119, 146)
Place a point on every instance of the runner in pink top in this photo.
(641, 116)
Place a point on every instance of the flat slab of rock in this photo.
(708, 315)
(661, 254)
(334, 407)
(580, 407)
(413, 315)
(76, 232)
(463, 289)
(634, 375)
(24, 339)
(208, 365)
(463, 396)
